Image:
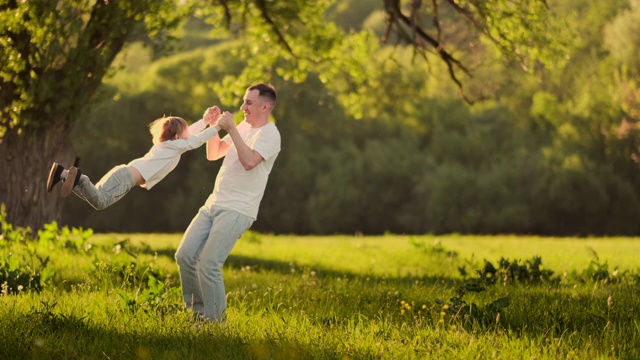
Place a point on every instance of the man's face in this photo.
(252, 106)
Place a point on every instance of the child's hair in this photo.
(167, 128)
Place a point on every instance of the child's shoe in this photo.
(71, 181)
(54, 176)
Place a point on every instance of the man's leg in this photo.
(227, 228)
(187, 257)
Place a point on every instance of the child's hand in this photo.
(211, 115)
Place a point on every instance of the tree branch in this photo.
(265, 15)
(396, 17)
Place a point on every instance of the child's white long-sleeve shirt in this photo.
(162, 158)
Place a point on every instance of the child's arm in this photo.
(208, 118)
(193, 142)
(197, 140)
(197, 127)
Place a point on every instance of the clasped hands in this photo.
(214, 116)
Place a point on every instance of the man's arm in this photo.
(216, 148)
(249, 158)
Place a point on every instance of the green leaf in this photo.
(501, 303)
(474, 287)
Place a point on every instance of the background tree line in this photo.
(553, 152)
(56, 54)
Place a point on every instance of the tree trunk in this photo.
(26, 159)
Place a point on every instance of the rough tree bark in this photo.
(25, 164)
(58, 73)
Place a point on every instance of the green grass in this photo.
(334, 297)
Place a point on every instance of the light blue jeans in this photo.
(111, 188)
(204, 248)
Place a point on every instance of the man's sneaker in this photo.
(54, 176)
(71, 181)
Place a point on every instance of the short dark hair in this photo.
(265, 91)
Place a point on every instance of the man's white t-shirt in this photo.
(239, 189)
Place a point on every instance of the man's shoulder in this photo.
(271, 130)
(271, 127)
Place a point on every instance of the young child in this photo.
(172, 136)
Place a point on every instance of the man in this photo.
(249, 151)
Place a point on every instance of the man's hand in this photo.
(211, 115)
(226, 122)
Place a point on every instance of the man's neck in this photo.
(260, 123)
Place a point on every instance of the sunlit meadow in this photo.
(116, 296)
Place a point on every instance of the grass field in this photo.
(116, 296)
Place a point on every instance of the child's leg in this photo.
(111, 188)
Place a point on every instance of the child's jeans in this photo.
(111, 188)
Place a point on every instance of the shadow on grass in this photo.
(55, 336)
(285, 267)
(535, 310)
(282, 267)
(167, 252)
